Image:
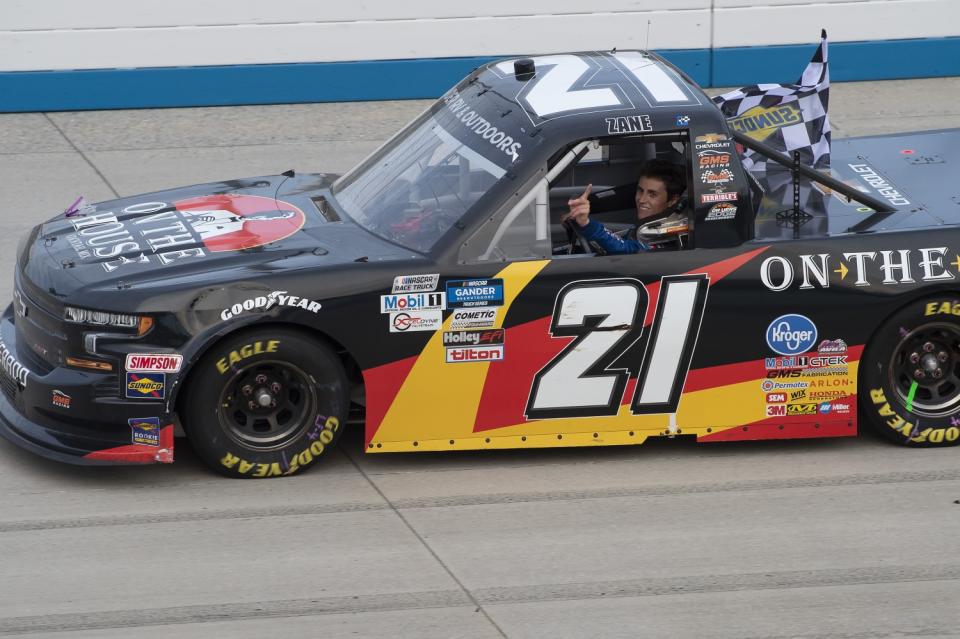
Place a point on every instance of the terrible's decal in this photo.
(153, 363)
(718, 196)
(865, 268)
(159, 233)
(320, 435)
(467, 293)
(145, 430)
(263, 303)
(146, 386)
(246, 351)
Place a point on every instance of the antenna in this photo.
(286, 176)
(647, 45)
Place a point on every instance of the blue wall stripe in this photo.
(23, 91)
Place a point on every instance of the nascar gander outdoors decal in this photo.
(162, 233)
(463, 293)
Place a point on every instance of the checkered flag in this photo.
(787, 117)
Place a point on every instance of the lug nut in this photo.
(942, 356)
(914, 357)
(251, 405)
(247, 389)
(262, 379)
(275, 387)
(919, 374)
(273, 403)
(937, 373)
(928, 347)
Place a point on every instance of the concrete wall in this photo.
(52, 51)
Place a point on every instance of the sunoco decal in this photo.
(146, 386)
(161, 233)
(759, 122)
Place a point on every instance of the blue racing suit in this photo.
(611, 243)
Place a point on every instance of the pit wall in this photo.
(108, 54)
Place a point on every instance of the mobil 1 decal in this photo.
(606, 317)
(155, 233)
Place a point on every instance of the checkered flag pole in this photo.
(787, 117)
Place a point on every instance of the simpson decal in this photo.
(153, 363)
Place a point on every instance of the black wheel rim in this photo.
(928, 357)
(266, 405)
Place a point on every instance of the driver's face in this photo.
(652, 197)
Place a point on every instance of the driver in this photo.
(658, 190)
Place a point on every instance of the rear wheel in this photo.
(265, 404)
(910, 375)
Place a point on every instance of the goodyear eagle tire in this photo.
(910, 375)
(266, 403)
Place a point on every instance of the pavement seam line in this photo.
(493, 499)
(463, 588)
(82, 155)
(445, 599)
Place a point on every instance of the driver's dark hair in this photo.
(667, 172)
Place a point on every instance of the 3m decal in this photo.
(412, 302)
(268, 301)
(245, 351)
(776, 410)
(153, 363)
(467, 293)
(606, 317)
(146, 386)
(145, 430)
(415, 283)
(415, 321)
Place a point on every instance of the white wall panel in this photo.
(17, 15)
(360, 40)
(800, 22)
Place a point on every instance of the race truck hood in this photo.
(222, 231)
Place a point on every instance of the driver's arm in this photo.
(612, 244)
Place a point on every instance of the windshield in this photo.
(417, 186)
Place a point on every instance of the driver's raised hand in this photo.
(579, 208)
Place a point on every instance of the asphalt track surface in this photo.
(848, 538)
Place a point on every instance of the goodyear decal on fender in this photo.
(146, 385)
(759, 122)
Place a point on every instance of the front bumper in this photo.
(89, 432)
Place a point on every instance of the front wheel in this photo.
(910, 375)
(266, 403)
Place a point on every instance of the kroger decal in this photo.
(791, 334)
